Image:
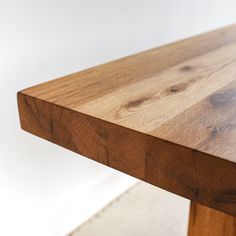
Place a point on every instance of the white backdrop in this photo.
(44, 189)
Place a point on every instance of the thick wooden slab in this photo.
(166, 116)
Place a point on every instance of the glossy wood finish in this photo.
(166, 116)
(204, 221)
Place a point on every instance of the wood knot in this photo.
(178, 87)
(212, 130)
(186, 68)
(136, 102)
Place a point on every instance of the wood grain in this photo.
(166, 116)
(205, 221)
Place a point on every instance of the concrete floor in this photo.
(144, 210)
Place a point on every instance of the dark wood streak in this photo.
(187, 68)
(137, 102)
(180, 87)
(227, 197)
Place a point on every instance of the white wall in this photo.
(44, 189)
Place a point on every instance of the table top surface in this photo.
(181, 96)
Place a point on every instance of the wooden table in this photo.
(166, 116)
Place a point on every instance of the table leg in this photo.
(204, 221)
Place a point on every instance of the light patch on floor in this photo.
(144, 210)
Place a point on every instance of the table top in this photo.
(166, 116)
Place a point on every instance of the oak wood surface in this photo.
(166, 116)
(204, 221)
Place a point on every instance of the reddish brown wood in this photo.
(166, 116)
(204, 221)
